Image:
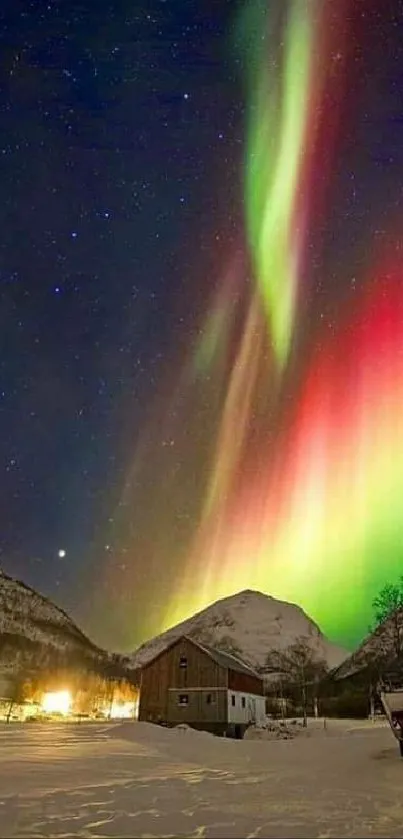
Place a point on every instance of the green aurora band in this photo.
(280, 90)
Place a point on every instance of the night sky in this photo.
(123, 155)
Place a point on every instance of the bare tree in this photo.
(18, 693)
(297, 665)
(388, 606)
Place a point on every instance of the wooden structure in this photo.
(392, 701)
(192, 683)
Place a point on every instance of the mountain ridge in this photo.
(35, 633)
(378, 646)
(249, 624)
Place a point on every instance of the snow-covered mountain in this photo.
(26, 613)
(249, 624)
(36, 633)
(378, 646)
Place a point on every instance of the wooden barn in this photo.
(205, 688)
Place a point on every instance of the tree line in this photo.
(300, 677)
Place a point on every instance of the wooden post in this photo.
(305, 718)
(371, 703)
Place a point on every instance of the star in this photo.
(143, 184)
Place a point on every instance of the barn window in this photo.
(183, 662)
(233, 700)
(183, 699)
(243, 702)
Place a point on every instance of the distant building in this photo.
(189, 682)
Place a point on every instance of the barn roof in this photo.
(223, 659)
(227, 660)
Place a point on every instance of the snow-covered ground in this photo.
(136, 780)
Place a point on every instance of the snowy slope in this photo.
(34, 632)
(249, 624)
(26, 613)
(379, 645)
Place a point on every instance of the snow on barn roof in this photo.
(227, 660)
(223, 659)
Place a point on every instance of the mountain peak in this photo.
(249, 592)
(249, 624)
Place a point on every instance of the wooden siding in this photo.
(164, 673)
(198, 709)
(245, 683)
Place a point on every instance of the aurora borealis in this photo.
(278, 132)
(313, 516)
(310, 511)
(292, 419)
(202, 308)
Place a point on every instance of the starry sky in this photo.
(162, 399)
